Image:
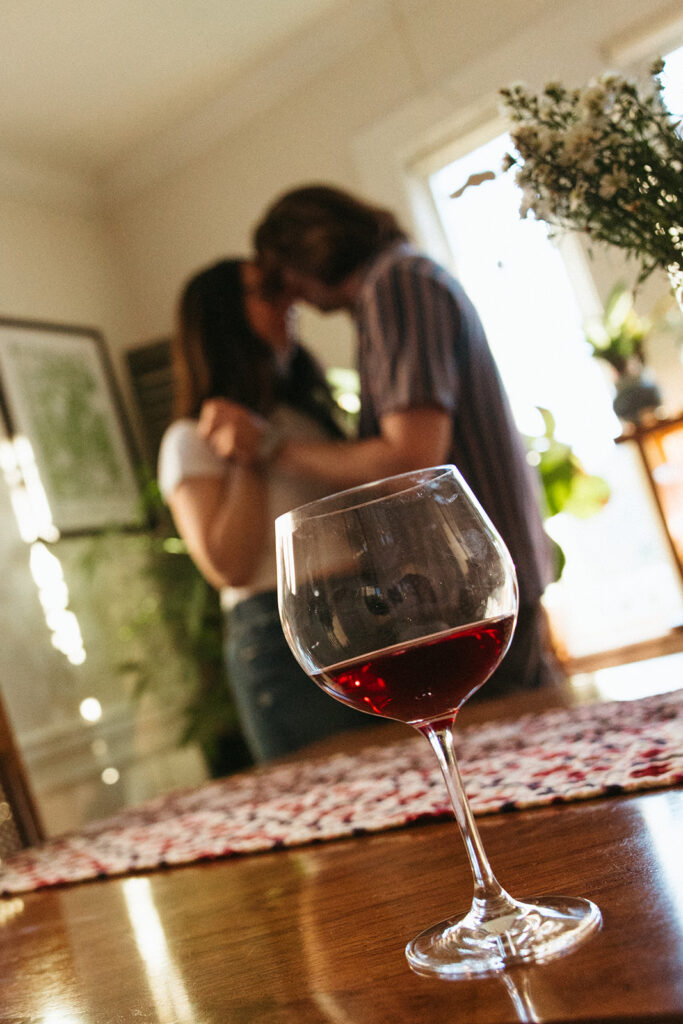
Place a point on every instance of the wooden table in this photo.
(315, 935)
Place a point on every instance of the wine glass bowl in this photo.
(399, 598)
(381, 571)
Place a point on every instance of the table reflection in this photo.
(164, 978)
(518, 987)
(340, 972)
(57, 1016)
(9, 909)
(666, 843)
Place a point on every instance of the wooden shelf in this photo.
(649, 437)
(652, 428)
(656, 647)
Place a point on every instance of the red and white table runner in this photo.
(539, 759)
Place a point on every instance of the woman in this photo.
(234, 348)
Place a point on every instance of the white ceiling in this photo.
(84, 84)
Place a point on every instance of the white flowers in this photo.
(605, 159)
(577, 143)
(592, 101)
(611, 183)
(528, 201)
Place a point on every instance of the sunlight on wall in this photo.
(34, 520)
(53, 592)
(27, 493)
(110, 776)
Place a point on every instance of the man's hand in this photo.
(233, 431)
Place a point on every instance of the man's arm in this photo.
(411, 439)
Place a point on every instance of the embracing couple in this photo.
(257, 432)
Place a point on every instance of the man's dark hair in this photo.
(323, 232)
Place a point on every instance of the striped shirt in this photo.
(421, 344)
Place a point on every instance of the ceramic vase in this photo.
(637, 396)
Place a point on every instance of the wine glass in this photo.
(399, 598)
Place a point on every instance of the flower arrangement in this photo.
(606, 159)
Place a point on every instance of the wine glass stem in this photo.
(486, 886)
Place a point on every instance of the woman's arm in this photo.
(410, 439)
(223, 521)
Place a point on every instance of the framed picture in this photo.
(57, 390)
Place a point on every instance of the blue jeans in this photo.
(279, 707)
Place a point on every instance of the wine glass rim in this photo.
(419, 478)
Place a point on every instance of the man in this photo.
(430, 388)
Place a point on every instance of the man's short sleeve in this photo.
(412, 324)
(182, 454)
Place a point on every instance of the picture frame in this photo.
(58, 391)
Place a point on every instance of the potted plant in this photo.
(618, 339)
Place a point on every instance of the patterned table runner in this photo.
(552, 757)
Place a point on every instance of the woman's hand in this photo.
(233, 431)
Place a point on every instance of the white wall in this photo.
(407, 74)
(57, 265)
(428, 67)
(53, 265)
(209, 208)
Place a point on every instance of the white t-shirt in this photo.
(184, 454)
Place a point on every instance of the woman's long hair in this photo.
(215, 353)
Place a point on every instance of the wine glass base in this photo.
(533, 934)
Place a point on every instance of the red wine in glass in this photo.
(425, 680)
(399, 598)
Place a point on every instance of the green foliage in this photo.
(618, 336)
(181, 620)
(566, 485)
(345, 387)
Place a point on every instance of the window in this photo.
(619, 584)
